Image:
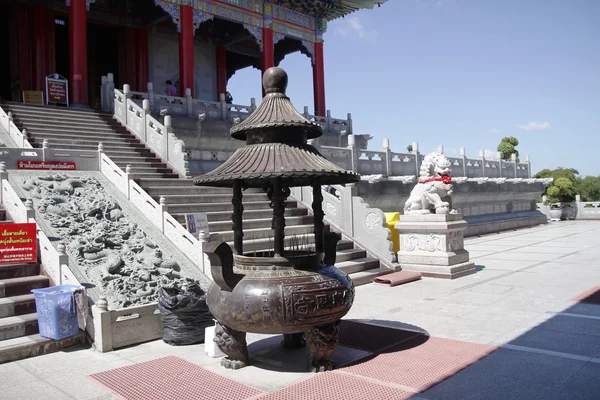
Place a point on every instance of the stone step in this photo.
(142, 169)
(357, 265)
(17, 305)
(49, 112)
(8, 271)
(157, 182)
(35, 124)
(93, 146)
(349, 254)
(104, 138)
(84, 141)
(55, 109)
(262, 233)
(253, 245)
(367, 276)
(206, 207)
(17, 326)
(124, 159)
(34, 345)
(139, 175)
(218, 226)
(23, 285)
(140, 164)
(215, 216)
(193, 190)
(209, 198)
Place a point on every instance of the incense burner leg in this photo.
(321, 342)
(293, 341)
(232, 343)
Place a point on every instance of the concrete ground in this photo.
(520, 300)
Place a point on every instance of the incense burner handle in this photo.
(221, 265)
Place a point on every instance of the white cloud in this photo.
(494, 130)
(354, 26)
(535, 126)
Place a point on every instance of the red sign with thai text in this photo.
(57, 90)
(18, 243)
(58, 165)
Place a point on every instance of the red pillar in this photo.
(131, 50)
(78, 52)
(142, 61)
(268, 51)
(186, 49)
(24, 46)
(221, 71)
(41, 46)
(319, 80)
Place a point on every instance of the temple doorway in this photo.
(61, 32)
(103, 57)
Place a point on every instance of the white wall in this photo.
(164, 64)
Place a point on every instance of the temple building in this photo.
(194, 44)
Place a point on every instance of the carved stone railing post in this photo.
(528, 161)
(45, 148)
(126, 97)
(128, 173)
(306, 114)
(110, 90)
(151, 97)
(482, 156)
(224, 107)
(349, 128)
(463, 155)
(102, 325)
(24, 137)
(168, 128)
(329, 121)
(100, 151)
(103, 101)
(513, 158)
(189, 102)
(63, 261)
(415, 147)
(29, 211)
(162, 202)
(3, 176)
(252, 105)
(499, 157)
(354, 155)
(388, 157)
(146, 110)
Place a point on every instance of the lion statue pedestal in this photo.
(431, 231)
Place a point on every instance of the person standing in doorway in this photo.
(171, 90)
(228, 98)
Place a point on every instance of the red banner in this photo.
(59, 165)
(18, 243)
(57, 90)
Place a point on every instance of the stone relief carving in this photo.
(455, 241)
(330, 209)
(433, 191)
(115, 254)
(372, 221)
(431, 242)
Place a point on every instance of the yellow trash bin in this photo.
(391, 219)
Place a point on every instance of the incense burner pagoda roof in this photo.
(276, 146)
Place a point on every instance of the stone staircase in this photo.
(19, 336)
(75, 129)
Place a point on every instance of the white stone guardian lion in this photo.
(433, 192)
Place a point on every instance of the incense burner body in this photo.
(282, 295)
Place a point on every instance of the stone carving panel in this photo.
(430, 243)
(113, 252)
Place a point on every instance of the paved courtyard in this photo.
(513, 330)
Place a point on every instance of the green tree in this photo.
(589, 188)
(507, 147)
(409, 148)
(563, 189)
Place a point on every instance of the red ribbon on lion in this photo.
(444, 179)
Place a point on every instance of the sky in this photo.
(462, 73)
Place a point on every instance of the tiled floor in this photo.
(521, 299)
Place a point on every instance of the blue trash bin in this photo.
(57, 314)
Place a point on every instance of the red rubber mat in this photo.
(371, 337)
(591, 296)
(171, 378)
(397, 278)
(337, 386)
(421, 365)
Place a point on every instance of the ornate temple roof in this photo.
(345, 7)
(276, 146)
(329, 9)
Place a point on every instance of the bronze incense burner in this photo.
(292, 289)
